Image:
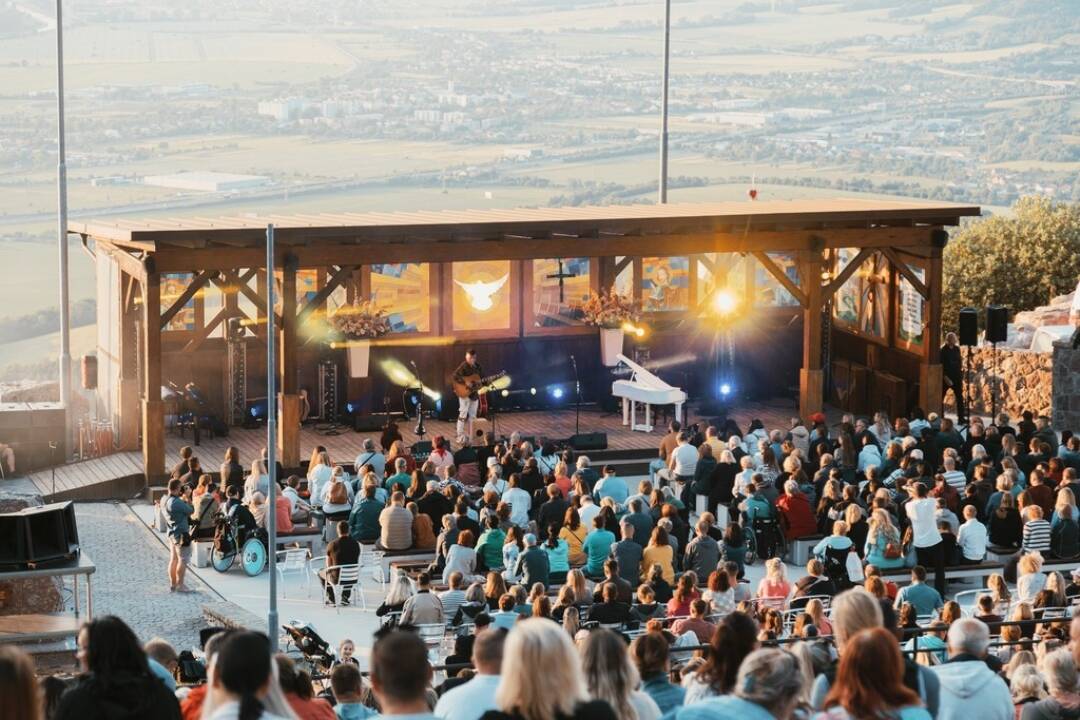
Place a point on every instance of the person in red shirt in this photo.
(296, 684)
(796, 516)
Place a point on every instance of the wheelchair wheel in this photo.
(750, 542)
(253, 557)
(222, 560)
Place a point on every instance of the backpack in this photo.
(1065, 539)
(338, 495)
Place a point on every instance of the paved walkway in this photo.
(132, 579)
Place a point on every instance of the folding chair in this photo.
(348, 579)
(293, 562)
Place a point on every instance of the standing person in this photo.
(611, 676)
(469, 405)
(969, 688)
(116, 681)
(231, 471)
(929, 550)
(178, 510)
(475, 697)
(556, 693)
(858, 693)
(952, 373)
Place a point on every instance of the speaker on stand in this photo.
(997, 330)
(968, 326)
(236, 372)
(327, 402)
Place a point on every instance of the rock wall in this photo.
(1066, 405)
(22, 597)
(1023, 379)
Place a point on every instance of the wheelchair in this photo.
(763, 539)
(233, 539)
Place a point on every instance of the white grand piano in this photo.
(647, 389)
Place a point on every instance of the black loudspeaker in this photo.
(997, 323)
(589, 441)
(421, 450)
(968, 326)
(89, 372)
(39, 535)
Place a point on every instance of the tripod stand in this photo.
(419, 430)
(577, 397)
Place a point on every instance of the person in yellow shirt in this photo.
(659, 552)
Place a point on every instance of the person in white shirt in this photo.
(972, 537)
(371, 456)
(922, 512)
(477, 696)
(519, 500)
(495, 483)
(956, 479)
(745, 476)
(683, 460)
(588, 511)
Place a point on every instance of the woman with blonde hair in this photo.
(774, 588)
(816, 610)
(558, 692)
(611, 677)
(999, 590)
(1027, 688)
(1029, 578)
(883, 549)
(576, 580)
(319, 473)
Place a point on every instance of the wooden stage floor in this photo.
(98, 478)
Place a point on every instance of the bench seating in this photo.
(305, 535)
(982, 570)
(411, 555)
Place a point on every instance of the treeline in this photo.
(592, 192)
(43, 322)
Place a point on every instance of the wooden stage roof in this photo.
(318, 239)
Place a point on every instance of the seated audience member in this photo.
(423, 608)
(985, 610)
(685, 593)
(972, 538)
(813, 583)
(597, 547)
(774, 588)
(505, 616)
(421, 529)
(659, 552)
(401, 675)
(837, 545)
(1006, 526)
(396, 525)
(720, 593)
(364, 518)
(628, 553)
(860, 693)
(472, 699)
(348, 688)
(371, 456)
(650, 653)
(611, 610)
(342, 550)
(558, 552)
(925, 599)
(883, 549)
(397, 594)
(532, 564)
(796, 515)
(969, 688)
(1030, 579)
(703, 552)
(296, 686)
(461, 558)
(299, 509)
(647, 607)
(696, 623)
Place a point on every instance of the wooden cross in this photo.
(561, 277)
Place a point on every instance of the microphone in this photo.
(572, 358)
(413, 363)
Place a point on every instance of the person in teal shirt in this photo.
(558, 552)
(364, 518)
(489, 548)
(400, 477)
(755, 507)
(597, 547)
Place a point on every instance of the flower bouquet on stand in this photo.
(355, 326)
(610, 310)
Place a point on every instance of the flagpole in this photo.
(61, 233)
(271, 437)
(664, 105)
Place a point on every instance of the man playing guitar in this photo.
(469, 404)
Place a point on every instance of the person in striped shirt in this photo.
(453, 597)
(956, 478)
(1036, 531)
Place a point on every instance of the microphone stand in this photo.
(577, 397)
(420, 431)
(490, 410)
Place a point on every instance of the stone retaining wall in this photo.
(1023, 379)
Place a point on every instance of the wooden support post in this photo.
(289, 399)
(811, 376)
(127, 395)
(153, 415)
(930, 378)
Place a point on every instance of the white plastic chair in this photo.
(316, 564)
(348, 578)
(293, 561)
(375, 559)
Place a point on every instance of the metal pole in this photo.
(61, 231)
(271, 436)
(664, 105)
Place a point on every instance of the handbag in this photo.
(893, 551)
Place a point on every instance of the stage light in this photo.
(725, 389)
(532, 391)
(724, 302)
(350, 408)
(505, 393)
(557, 392)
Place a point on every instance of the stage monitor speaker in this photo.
(89, 372)
(12, 540)
(589, 441)
(968, 326)
(39, 535)
(997, 323)
(368, 423)
(421, 450)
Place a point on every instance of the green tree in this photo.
(1020, 261)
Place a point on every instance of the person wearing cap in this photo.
(532, 564)
(612, 486)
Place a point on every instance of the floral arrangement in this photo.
(362, 320)
(610, 309)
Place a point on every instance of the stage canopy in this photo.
(154, 276)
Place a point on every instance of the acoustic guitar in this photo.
(474, 383)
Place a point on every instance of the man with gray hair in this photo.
(969, 688)
(370, 455)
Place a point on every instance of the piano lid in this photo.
(643, 376)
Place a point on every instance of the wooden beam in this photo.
(811, 377)
(130, 264)
(345, 250)
(333, 282)
(930, 371)
(197, 283)
(903, 269)
(787, 282)
(849, 270)
(287, 330)
(199, 337)
(153, 428)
